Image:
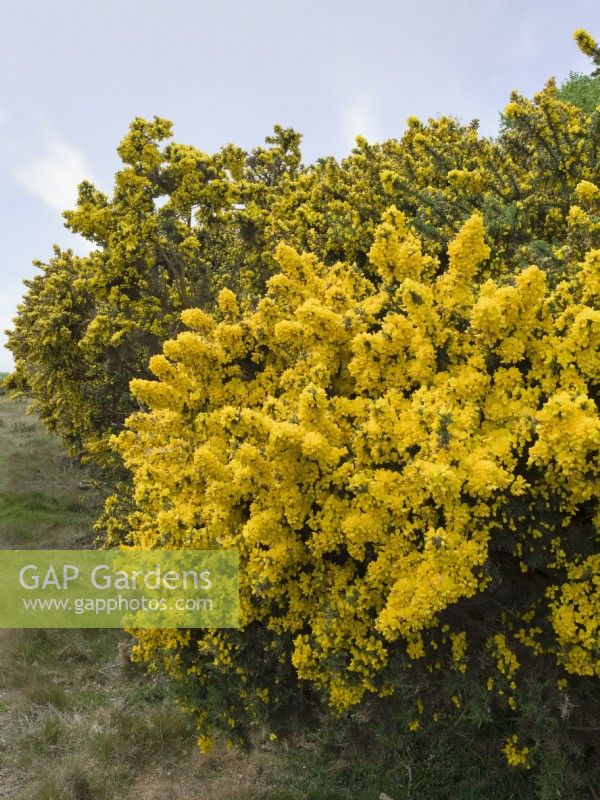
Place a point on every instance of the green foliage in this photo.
(579, 90)
(582, 91)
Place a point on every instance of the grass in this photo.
(78, 721)
(44, 502)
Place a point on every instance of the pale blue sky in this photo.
(73, 74)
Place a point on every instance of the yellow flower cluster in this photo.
(515, 755)
(575, 618)
(459, 650)
(586, 43)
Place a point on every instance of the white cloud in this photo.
(358, 119)
(53, 177)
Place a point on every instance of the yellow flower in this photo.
(585, 42)
(206, 744)
(515, 755)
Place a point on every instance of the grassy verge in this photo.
(79, 722)
(45, 501)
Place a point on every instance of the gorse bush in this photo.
(377, 451)
(379, 383)
(88, 325)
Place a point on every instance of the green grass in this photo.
(44, 501)
(78, 721)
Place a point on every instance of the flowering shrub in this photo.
(179, 226)
(369, 446)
